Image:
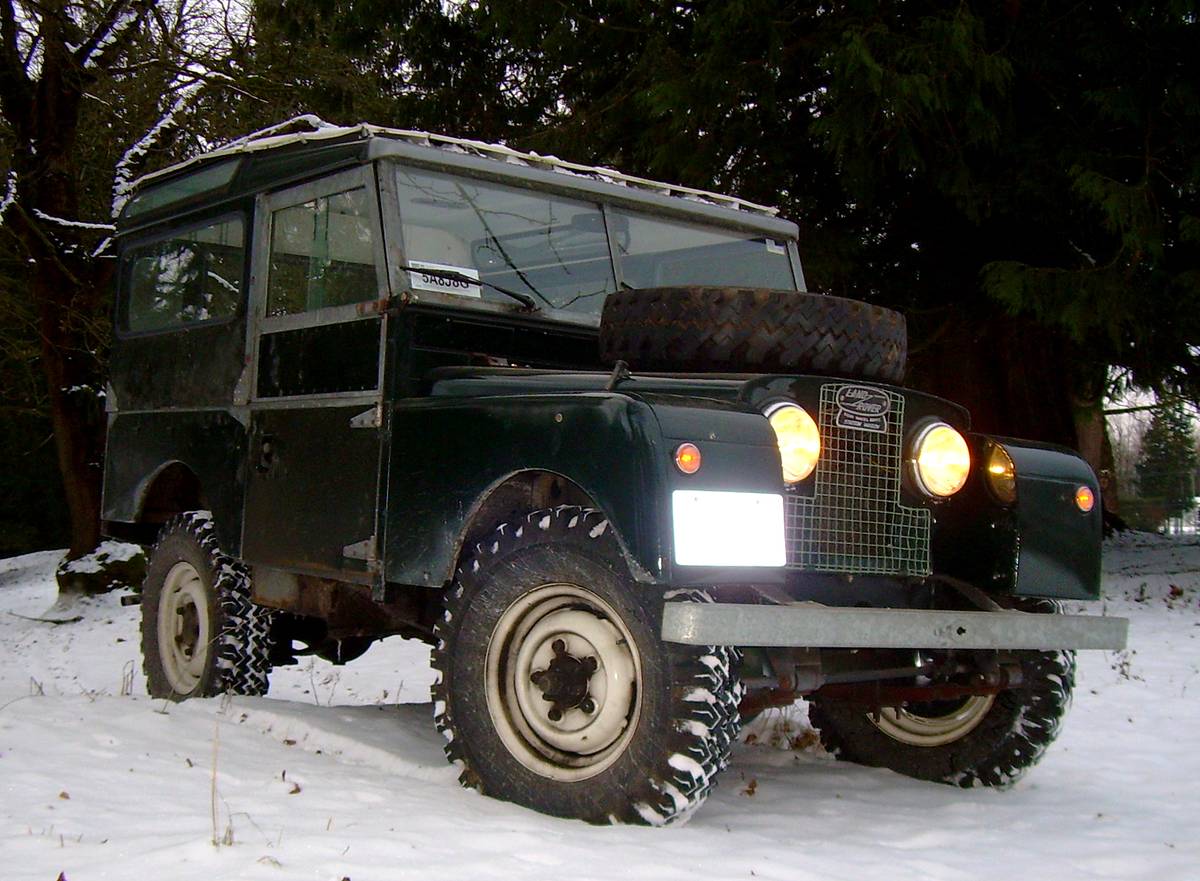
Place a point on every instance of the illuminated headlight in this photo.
(798, 438)
(941, 460)
(1001, 474)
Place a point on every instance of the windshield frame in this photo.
(605, 196)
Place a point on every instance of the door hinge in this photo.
(364, 550)
(372, 418)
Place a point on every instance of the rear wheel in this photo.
(201, 634)
(555, 690)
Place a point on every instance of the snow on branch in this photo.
(10, 193)
(76, 224)
(118, 21)
(133, 157)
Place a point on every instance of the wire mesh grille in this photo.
(854, 522)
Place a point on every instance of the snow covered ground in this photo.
(339, 774)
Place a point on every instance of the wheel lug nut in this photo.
(536, 676)
(559, 647)
(555, 715)
(588, 705)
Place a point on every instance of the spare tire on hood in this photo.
(755, 330)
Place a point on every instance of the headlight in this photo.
(941, 460)
(798, 438)
(1001, 474)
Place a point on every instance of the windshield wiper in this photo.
(450, 275)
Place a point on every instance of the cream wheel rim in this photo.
(916, 729)
(562, 674)
(184, 628)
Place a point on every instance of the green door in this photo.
(316, 345)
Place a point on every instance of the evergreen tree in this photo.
(1167, 466)
(1021, 179)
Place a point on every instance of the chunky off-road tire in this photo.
(543, 611)
(201, 634)
(752, 330)
(988, 741)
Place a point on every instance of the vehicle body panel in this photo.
(468, 394)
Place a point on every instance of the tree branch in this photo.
(111, 37)
(16, 90)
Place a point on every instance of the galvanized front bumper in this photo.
(814, 626)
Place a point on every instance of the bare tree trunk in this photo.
(71, 378)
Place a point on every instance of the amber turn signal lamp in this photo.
(687, 458)
(1085, 499)
(1001, 474)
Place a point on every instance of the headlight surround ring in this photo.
(798, 439)
(940, 460)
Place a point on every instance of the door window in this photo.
(322, 254)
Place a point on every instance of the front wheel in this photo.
(555, 690)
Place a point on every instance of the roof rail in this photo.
(307, 128)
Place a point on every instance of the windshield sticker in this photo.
(434, 280)
(862, 409)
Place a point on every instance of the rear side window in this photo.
(189, 278)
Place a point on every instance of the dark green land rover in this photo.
(588, 436)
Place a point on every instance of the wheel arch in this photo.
(169, 489)
(532, 489)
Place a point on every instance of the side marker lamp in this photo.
(687, 458)
(1085, 499)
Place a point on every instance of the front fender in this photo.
(448, 453)
(1043, 545)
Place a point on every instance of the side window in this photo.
(186, 279)
(322, 254)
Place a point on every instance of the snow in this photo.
(106, 552)
(110, 33)
(282, 134)
(180, 95)
(339, 772)
(10, 193)
(78, 224)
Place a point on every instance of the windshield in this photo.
(658, 253)
(545, 246)
(475, 237)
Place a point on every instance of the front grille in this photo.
(854, 521)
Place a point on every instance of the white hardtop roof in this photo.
(309, 128)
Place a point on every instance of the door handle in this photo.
(267, 446)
